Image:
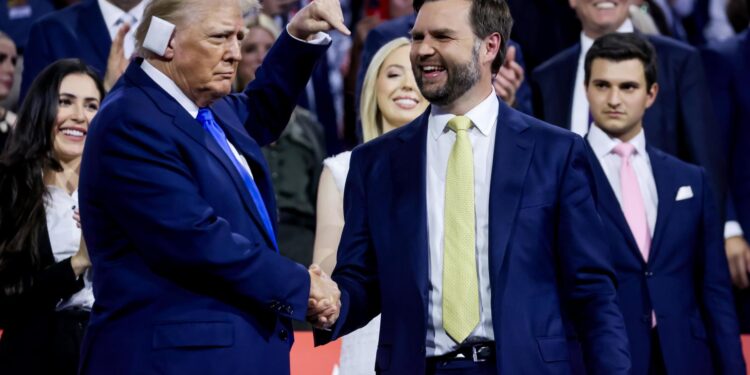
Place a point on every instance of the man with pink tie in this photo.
(664, 232)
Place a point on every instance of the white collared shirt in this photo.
(175, 92)
(115, 17)
(440, 141)
(65, 240)
(579, 114)
(603, 144)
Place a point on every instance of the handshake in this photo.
(324, 304)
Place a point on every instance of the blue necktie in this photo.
(209, 124)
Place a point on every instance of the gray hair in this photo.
(174, 11)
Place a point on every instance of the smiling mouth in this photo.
(406, 102)
(73, 132)
(604, 5)
(432, 71)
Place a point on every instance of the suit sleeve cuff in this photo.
(732, 229)
(320, 38)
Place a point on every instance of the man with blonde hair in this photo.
(177, 206)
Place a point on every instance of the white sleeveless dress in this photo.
(357, 348)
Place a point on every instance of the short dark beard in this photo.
(461, 78)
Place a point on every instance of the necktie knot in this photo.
(624, 150)
(205, 115)
(459, 123)
(126, 18)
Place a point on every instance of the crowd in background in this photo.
(697, 43)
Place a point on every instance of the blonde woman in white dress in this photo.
(390, 99)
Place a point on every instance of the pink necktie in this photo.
(632, 200)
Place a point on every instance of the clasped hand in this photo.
(324, 304)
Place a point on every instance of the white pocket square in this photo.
(685, 192)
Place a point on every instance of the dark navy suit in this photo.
(728, 64)
(686, 279)
(186, 279)
(400, 27)
(76, 31)
(548, 262)
(680, 121)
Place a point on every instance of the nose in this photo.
(422, 48)
(408, 83)
(234, 52)
(77, 113)
(613, 98)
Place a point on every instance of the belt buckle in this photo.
(475, 350)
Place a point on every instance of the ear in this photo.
(652, 93)
(169, 51)
(492, 47)
(573, 3)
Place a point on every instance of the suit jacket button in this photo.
(283, 334)
(649, 273)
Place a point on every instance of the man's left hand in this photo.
(319, 15)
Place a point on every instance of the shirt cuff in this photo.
(732, 229)
(319, 39)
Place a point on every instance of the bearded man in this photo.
(473, 229)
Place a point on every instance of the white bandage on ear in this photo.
(158, 36)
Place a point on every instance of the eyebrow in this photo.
(67, 94)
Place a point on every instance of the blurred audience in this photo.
(728, 63)
(45, 291)
(8, 60)
(543, 28)
(85, 30)
(16, 18)
(295, 159)
(390, 99)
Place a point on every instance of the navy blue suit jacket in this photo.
(548, 261)
(680, 121)
(186, 279)
(728, 64)
(76, 31)
(400, 27)
(686, 279)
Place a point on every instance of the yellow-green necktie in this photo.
(460, 290)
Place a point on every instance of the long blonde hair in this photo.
(372, 122)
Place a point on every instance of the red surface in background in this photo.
(309, 360)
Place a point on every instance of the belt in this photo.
(480, 352)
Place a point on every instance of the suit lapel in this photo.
(514, 146)
(250, 149)
(408, 171)
(608, 203)
(92, 24)
(183, 121)
(666, 190)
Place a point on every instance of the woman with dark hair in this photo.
(45, 293)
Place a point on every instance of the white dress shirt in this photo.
(174, 91)
(115, 17)
(579, 114)
(440, 141)
(603, 144)
(65, 239)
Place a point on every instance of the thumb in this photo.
(316, 269)
(510, 56)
